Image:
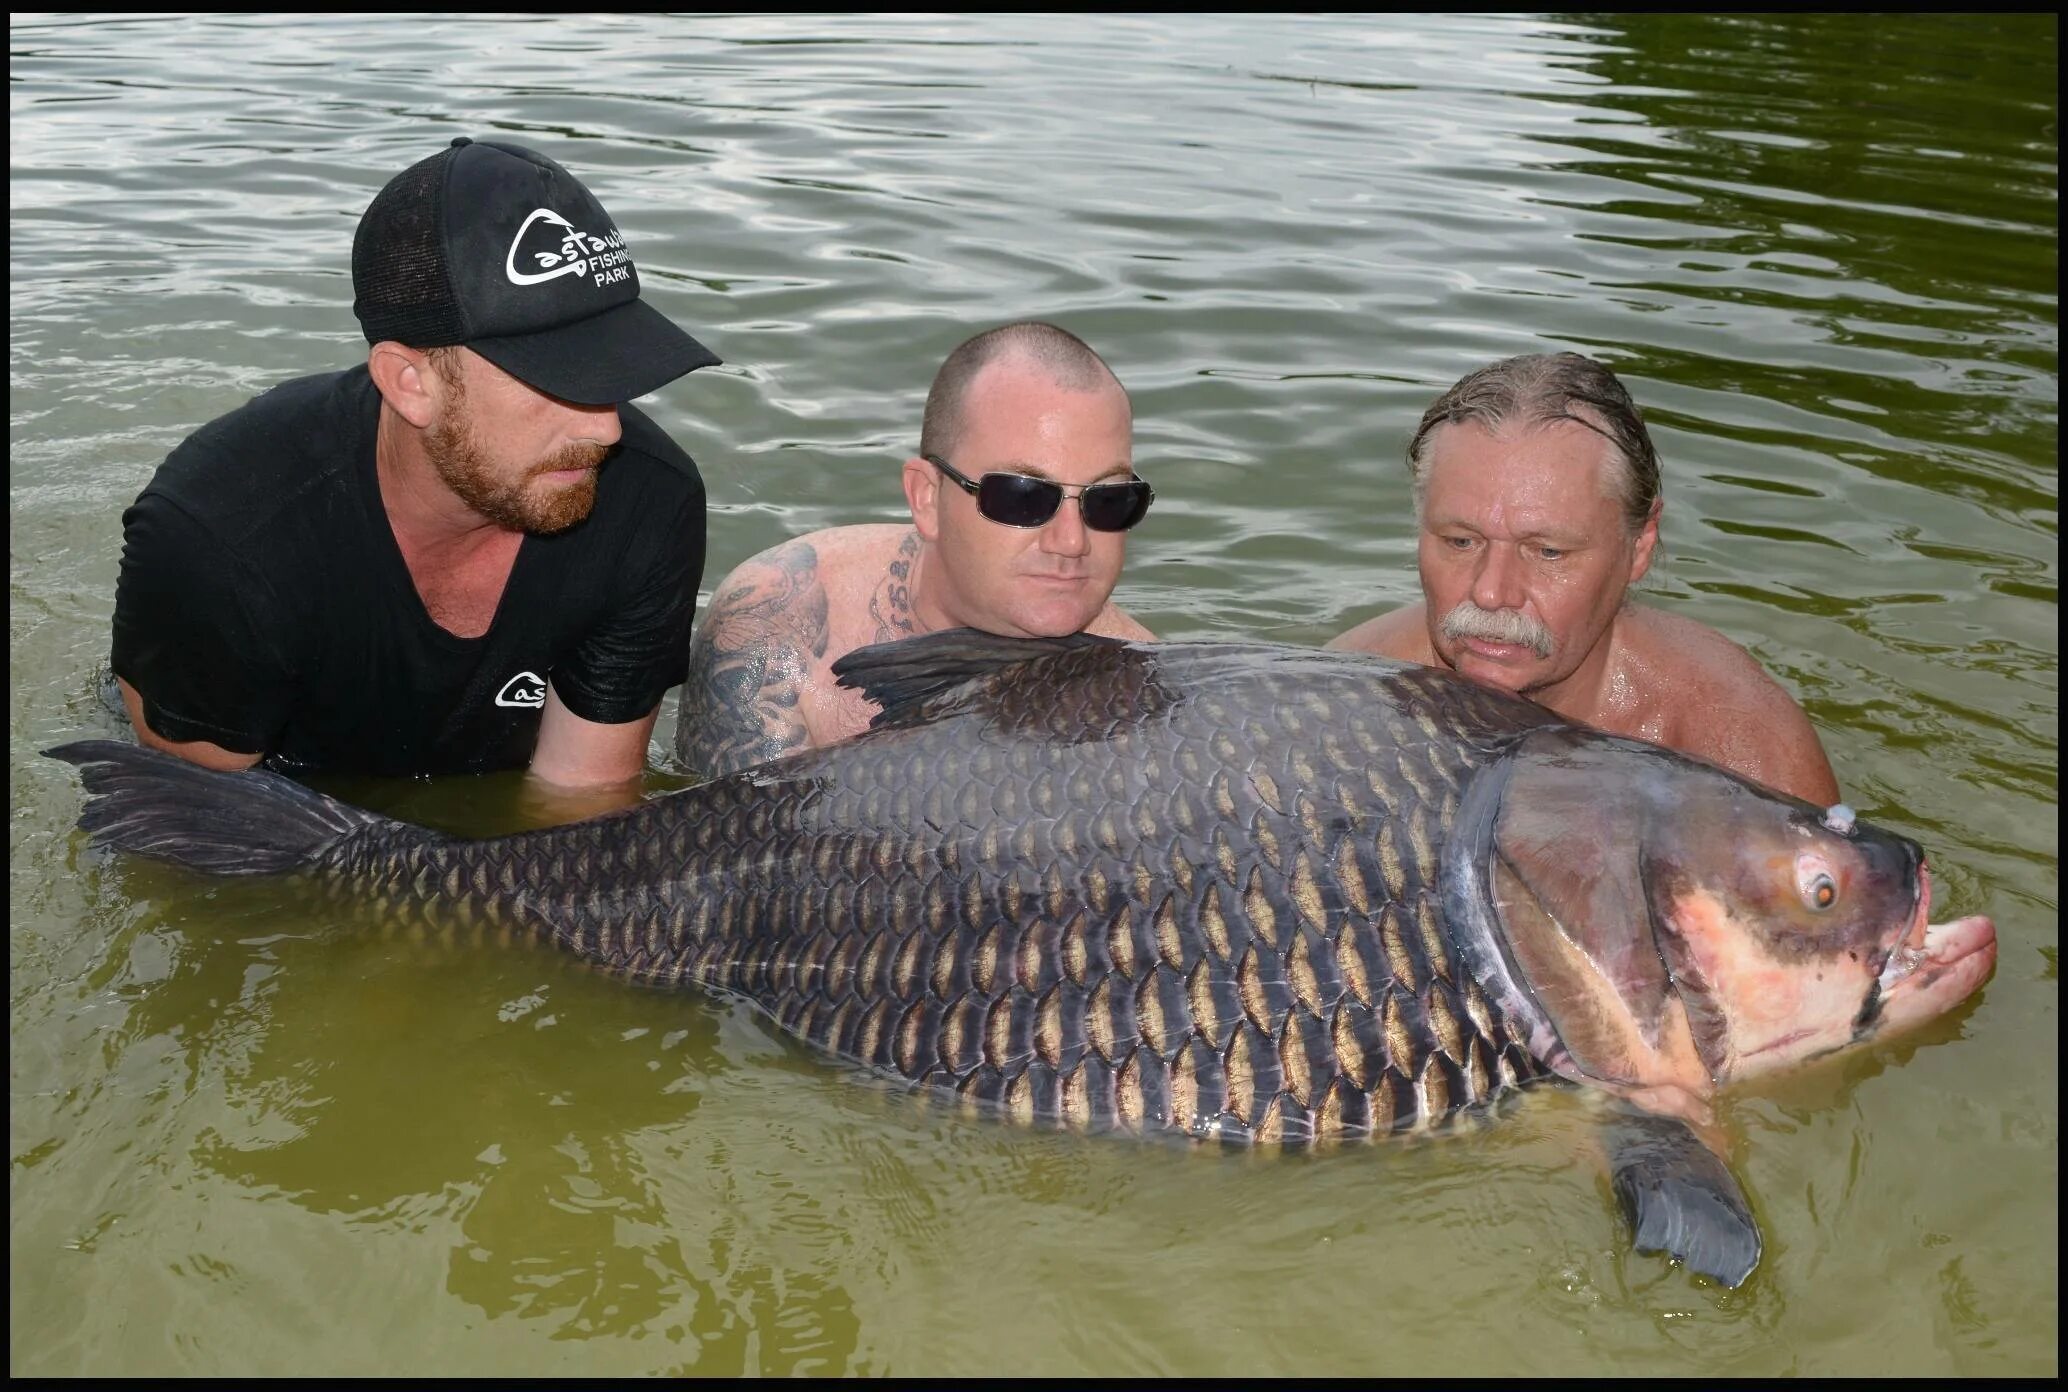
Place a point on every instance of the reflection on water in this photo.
(256, 1133)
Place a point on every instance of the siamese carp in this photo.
(1232, 891)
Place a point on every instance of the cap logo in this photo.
(562, 249)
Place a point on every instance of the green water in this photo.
(253, 1136)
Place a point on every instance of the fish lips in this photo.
(1932, 968)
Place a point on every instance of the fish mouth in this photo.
(1941, 948)
(1933, 967)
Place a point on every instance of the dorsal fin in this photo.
(898, 676)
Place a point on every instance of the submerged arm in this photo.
(581, 768)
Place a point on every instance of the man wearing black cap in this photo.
(469, 553)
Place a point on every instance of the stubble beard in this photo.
(519, 505)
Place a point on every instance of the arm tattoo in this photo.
(748, 662)
(890, 604)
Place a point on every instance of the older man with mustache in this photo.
(1537, 489)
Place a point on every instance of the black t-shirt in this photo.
(264, 605)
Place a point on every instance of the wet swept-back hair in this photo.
(1536, 389)
(1067, 359)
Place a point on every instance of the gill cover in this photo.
(1550, 889)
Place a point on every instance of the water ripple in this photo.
(1820, 248)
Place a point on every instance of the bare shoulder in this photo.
(1687, 655)
(753, 590)
(1401, 633)
(813, 585)
(1713, 699)
(846, 552)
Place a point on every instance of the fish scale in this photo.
(1139, 915)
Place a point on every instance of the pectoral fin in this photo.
(899, 676)
(1681, 1199)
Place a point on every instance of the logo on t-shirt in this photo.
(526, 691)
(559, 248)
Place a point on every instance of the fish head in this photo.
(1665, 926)
(1792, 931)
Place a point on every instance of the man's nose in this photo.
(1065, 534)
(598, 423)
(1497, 584)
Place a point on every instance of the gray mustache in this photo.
(1468, 620)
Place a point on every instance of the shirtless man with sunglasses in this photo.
(1022, 494)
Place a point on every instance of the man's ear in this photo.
(406, 381)
(922, 493)
(1647, 542)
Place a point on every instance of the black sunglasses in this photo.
(1022, 500)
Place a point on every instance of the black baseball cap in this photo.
(494, 246)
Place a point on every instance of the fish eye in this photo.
(1815, 882)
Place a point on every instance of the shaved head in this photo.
(1057, 354)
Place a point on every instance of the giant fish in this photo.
(1234, 891)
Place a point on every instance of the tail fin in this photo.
(251, 823)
